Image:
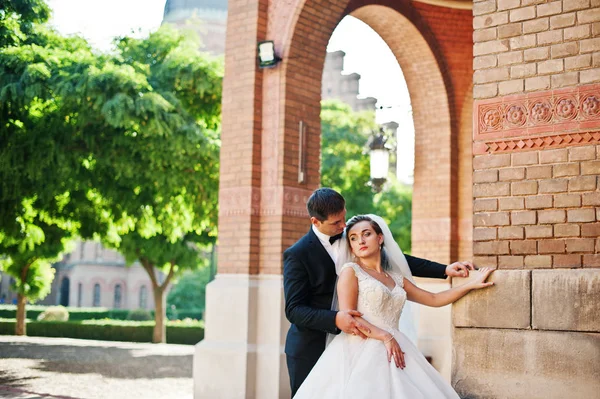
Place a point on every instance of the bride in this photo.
(375, 280)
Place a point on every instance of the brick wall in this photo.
(529, 45)
(537, 209)
(536, 131)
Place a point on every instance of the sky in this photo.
(99, 21)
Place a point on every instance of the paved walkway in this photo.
(35, 367)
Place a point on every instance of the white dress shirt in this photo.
(332, 249)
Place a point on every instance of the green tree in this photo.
(395, 206)
(36, 209)
(124, 146)
(344, 162)
(345, 167)
(190, 290)
(172, 186)
(28, 255)
(18, 19)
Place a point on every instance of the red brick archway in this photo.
(535, 186)
(407, 32)
(262, 202)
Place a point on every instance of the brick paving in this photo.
(36, 367)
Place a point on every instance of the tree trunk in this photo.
(20, 327)
(159, 335)
(160, 327)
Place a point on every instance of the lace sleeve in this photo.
(398, 278)
(358, 271)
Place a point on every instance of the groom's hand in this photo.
(345, 321)
(459, 269)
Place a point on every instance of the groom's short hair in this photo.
(324, 202)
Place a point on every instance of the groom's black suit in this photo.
(309, 281)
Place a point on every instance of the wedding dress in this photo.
(355, 368)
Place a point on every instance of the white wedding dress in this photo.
(355, 368)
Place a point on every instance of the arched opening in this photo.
(143, 297)
(271, 121)
(64, 291)
(430, 329)
(96, 295)
(118, 297)
(435, 141)
(79, 294)
(440, 210)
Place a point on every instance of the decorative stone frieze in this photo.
(550, 119)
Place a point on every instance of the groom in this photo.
(309, 281)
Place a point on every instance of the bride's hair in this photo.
(385, 264)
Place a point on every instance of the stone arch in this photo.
(262, 195)
(435, 135)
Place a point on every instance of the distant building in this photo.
(209, 19)
(335, 85)
(93, 276)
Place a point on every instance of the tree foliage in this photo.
(35, 205)
(18, 19)
(190, 290)
(345, 167)
(121, 147)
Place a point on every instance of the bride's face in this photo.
(365, 242)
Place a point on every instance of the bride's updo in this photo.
(354, 220)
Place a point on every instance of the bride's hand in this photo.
(394, 351)
(479, 281)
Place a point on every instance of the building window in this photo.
(143, 297)
(79, 294)
(96, 295)
(118, 295)
(63, 294)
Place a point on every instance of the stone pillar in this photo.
(536, 203)
(241, 355)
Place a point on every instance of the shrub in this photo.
(118, 314)
(10, 311)
(139, 315)
(75, 313)
(195, 314)
(189, 333)
(54, 313)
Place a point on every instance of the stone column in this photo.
(536, 203)
(241, 354)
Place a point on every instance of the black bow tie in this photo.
(334, 238)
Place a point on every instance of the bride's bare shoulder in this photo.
(349, 265)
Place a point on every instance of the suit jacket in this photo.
(309, 281)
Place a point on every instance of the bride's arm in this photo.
(347, 290)
(443, 298)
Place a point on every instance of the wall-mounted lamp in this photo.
(380, 160)
(266, 54)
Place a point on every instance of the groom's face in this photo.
(333, 225)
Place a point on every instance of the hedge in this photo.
(186, 333)
(10, 312)
(195, 314)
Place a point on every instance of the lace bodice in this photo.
(379, 305)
